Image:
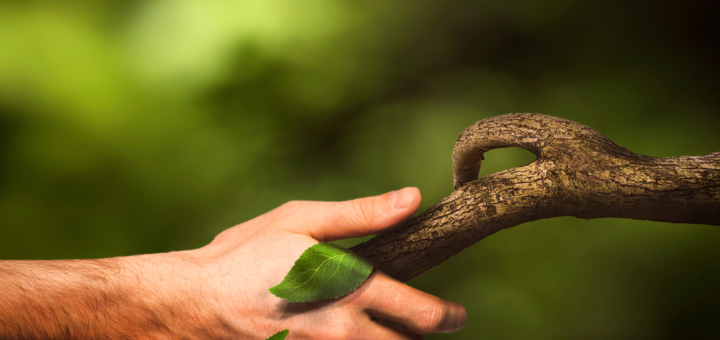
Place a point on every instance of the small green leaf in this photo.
(323, 271)
(279, 335)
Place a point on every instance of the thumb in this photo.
(329, 221)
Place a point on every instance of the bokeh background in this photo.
(132, 127)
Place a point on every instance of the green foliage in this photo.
(279, 335)
(323, 271)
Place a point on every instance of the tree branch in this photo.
(578, 172)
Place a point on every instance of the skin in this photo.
(220, 291)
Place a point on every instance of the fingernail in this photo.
(461, 320)
(400, 199)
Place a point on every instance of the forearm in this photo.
(89, 299)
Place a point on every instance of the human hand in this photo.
(226, 283)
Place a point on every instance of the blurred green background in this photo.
(132, 127)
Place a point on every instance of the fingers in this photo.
(328, 221)
(380, 331)
(363, 328)
(420, 312)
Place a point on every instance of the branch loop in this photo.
(545, 136)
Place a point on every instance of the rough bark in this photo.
(578, 172)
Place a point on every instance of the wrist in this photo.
(169, 296)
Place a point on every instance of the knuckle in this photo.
(290, 205)
(361, 297)
(432, 317)
(335, 333)
(227, 236)
(290, 208)
(223, 236)
(361, 212)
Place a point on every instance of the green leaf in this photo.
(279, 335)
(323, 271)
